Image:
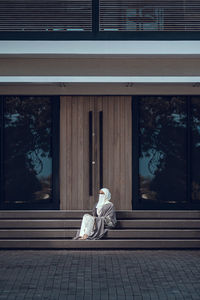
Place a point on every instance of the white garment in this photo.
(87, 225)
(103, 199)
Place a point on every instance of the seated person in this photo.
(103, 218)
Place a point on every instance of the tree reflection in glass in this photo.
(195, 147)
(162, 149)
(27, 149)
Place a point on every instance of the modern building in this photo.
(100, 93)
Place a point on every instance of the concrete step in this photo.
(100, 244)
(121, 214)
(112, 234)
(159, 223)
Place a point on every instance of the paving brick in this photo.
(100, 274)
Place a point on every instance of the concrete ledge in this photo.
(99, 79)
(159, 223)
(100, 244)
(111, 234)
(121, 214)
(103, 48)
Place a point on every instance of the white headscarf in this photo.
(103, 199)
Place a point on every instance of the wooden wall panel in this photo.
(118, 149)
(74, 150)
(74, 153)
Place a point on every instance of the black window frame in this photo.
(136, 203)
(55, 205)
(95, 34)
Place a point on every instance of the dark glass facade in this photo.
(99, 20)
(166, 149)
(195, 149)
(169, 141)
(27, 151)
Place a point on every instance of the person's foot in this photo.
(84, 237)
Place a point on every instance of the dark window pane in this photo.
(165, 15)
(42, 15)
(195, 148)
(162, 142)
(27, 149)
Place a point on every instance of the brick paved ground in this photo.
(64, 274)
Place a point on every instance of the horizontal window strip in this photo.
(51, 15)
(147, 15)
(114, 15)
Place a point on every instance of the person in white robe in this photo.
(93, 226)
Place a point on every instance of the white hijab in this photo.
(103, 199)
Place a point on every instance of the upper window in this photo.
(164, 15)
(46, 15)
(99, 19)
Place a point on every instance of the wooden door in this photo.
(95, 150)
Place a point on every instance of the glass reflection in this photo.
(162, 153)
(195, 147)
(27, 149)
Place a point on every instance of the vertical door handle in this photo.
(90, 154)
(101, 149)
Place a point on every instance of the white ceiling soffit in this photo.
(96, 48)
(99, 79)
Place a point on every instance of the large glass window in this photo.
(28, 150)
(46, 16)
(169, 151)
(145, 15)
(195, 148)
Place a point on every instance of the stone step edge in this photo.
(100, 244)
(79, 220)
(66, 214)
(112, 230)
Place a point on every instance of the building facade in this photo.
(100, 94)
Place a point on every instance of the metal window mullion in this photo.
(95, 16)
(1, 150)
(189, 124)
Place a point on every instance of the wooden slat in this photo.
(63, 150)
(80, 156)
(86, 108)
(74, 159)
(91, 108)
(118, 149)
(74, 162)
(68, 142)
(128, 151)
